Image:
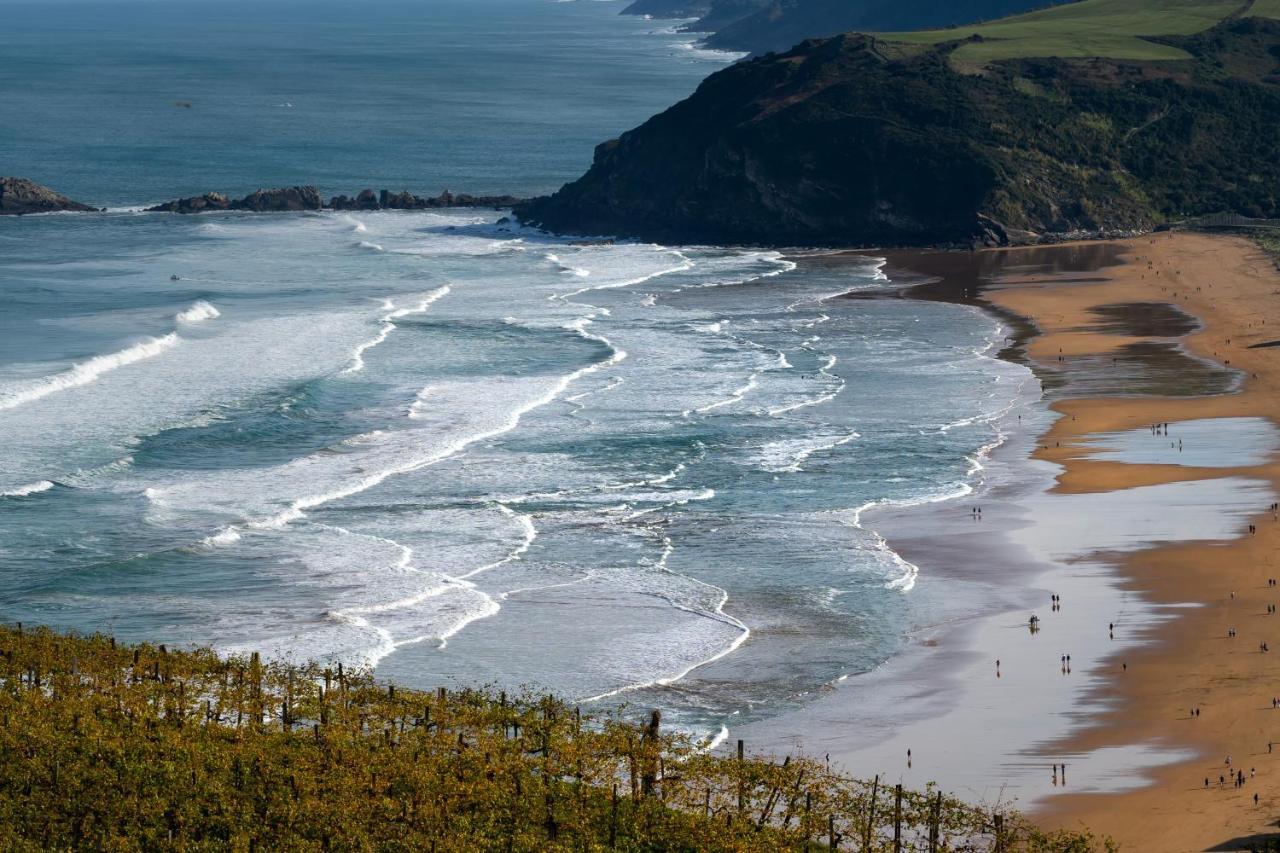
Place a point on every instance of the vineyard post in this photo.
(897, 818)
(742, 790)
(935, 820)
(808, 805)
(999, 821)
(832, 841)
(613, 818)
(871, 814)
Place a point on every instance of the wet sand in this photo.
(1130, 537)
(1234, 291)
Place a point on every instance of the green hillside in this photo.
(1112, 29)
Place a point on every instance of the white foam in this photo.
(387, 325)
(197, 313)
(29, 489)
(84, 372)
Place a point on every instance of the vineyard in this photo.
(116, 747)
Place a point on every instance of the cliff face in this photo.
(19, 196)
(836, 143)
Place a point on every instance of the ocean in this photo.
(436, 442)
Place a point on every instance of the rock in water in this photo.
(19, 196)
(194, 204)
(287, 198)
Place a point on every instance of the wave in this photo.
(906, 581)
(788, 455)
(298, 508)
(197, 313)
(373, 247)
(685, 265)
(715, 612)
(387, 325)
(838, 386)
(29, 489)
(85, 372)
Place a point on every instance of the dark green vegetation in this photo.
(104, 746)
(859, 140)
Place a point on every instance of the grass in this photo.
(1111, 29)
(1267, 8)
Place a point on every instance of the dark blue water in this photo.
(481, 96)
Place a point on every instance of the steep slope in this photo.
(838, 143)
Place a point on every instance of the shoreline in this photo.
(1226, 283)
(1029, 485)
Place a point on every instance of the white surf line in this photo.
(589, 576)
(718, 615)
(29, 489)
(801, 456)
(300, 506)
(685, 265)
(387, 326)
(735, 396)
(907, 581)
(530, 534)
(783, 266)
(85, 372)
(357, 616)
(825, 370)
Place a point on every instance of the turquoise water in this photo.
(434, 442)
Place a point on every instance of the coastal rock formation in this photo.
(844, 142)
(405, 200)
(19, 196)
(195, 204)
(288, 198)
(261, 201)
(308, 198)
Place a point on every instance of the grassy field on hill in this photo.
(111, 747)
(1104, 28)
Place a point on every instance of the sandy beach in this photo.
(1190, 662)
(1143, 535)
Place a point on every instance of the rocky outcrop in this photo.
(19, 196)
(405, 200)
(260, 201)
(195, 204)
(308, 198)
(288, 198)
(835, 143)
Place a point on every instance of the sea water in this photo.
(438, 443)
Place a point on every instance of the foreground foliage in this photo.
(113, 747)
